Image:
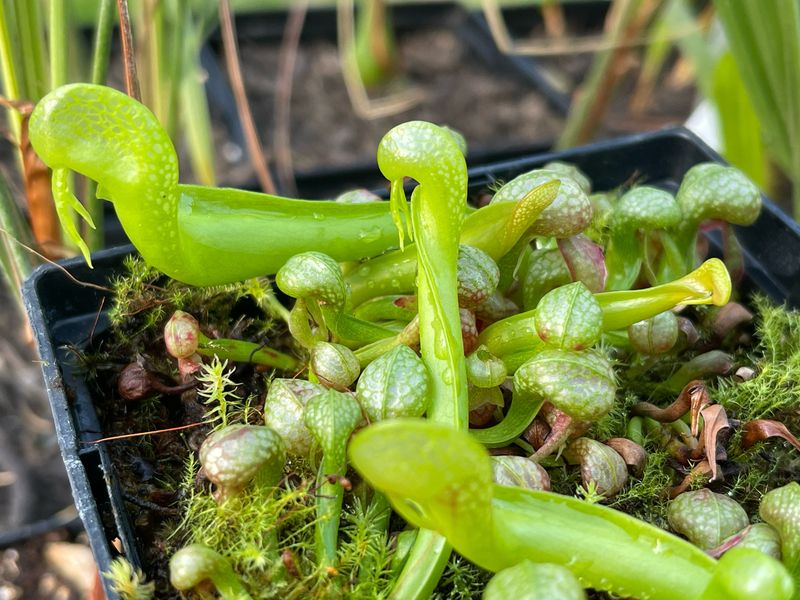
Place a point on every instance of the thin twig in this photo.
(254, 148)
(126, 34)
(97, 318)
(142, 433)
(23, 107)
(282, 141)
(56, 265)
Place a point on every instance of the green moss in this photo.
(218, 391)
(563, 479)
(268, 534)
(774, 392)
(145, 299)
(615, 422)
(265, 529)
(461, 580)
(588, 493)
(647, 498)
(128, 582)
(365, 554)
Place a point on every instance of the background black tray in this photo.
(64, 313)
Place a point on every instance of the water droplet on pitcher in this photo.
(370, 235)
(447, 376)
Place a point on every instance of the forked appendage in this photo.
(400, 212)
(65, 200)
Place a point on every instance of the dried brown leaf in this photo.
(729, 317)
(41, 208)
(761, 429)
(693, 398)
(631, 452)
(715, 420)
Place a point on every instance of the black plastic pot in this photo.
(66, 310)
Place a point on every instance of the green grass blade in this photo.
(15, 262)
(9, 64)
(57, 36)
(741, 129)
(764, 38)
(32, 52)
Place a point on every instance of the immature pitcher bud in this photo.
(706, 518)
(334, 365)
(181, 334)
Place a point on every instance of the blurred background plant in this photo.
(673, 40)
(764, 40)
(742, 57)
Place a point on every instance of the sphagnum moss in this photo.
(244, 529)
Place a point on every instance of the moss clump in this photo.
(129, 582)
(461, 580)
(614, 424)
(268, 536)
(773, 392)
(144, 299)
(647, 498)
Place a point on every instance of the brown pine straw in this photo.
(41, 208)
(126, 35)
(56, 265)
(142, 433)
(282, 141)
(566, 45)
(254, 148)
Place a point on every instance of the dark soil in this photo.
(490, 109)
(493, 108)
